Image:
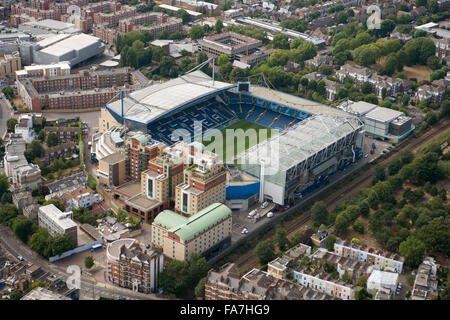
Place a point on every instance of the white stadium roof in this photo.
(151, 102)
(298, 143)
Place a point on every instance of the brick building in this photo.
(132, 267)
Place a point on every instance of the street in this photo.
(5, 114)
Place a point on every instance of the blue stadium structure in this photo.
(314, 140)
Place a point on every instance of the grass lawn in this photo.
(239, 146)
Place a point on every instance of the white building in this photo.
(324, 283)
(82, 198)
(25, 128)
(381, 260)
(57, 222)
(425, 284)
(44, 70)
(382, 281)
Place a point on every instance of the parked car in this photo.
(20, 258)
(244, 231)
(264, 205)
(270, 215)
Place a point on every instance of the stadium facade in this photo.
(314, 141)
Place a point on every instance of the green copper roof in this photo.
(141, 138)
(187, 228)
(170, 219)
(198, 145)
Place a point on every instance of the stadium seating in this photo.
(218, 113)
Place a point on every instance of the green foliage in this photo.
(358, 226)
(363, 295)
(418, 50)
(8, 212)
(218, 27)
(281, 239)
(34, 150)
(200, 288)
(52, 139)
(362, 282)
(413, 250)
(319, 213)
(174, 278)
(329, 242)
(265, 251)
(57, 202)
(196, 32)
(22, 227)
(89, 262)
(11, 124)
(92, 183)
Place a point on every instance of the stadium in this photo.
(307, 142)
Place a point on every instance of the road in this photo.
(5, 114)
(88, 287)
(248, 259)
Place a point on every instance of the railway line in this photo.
(363, 179)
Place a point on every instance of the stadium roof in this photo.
(295, 102)
(149, 103)
(308, 137)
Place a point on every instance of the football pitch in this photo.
(237, 138)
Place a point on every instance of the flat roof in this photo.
(383, 114)
(359, 108)
(67, 44)
(40, 293)
(57, 216)
(293, 146)
(149, 103)
(142, 202)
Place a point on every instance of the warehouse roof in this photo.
(155, 100)
(383, 114)
(187, 228)
(75, 42)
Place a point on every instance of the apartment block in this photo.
(205, 232)
(204, 180)
(229, 43)
(57, 222)
(111, 169)
(9, 64)
(139, 150)
(133, 267)
(426, 284)
(65, 134)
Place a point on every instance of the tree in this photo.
(421, 3)
(11, 124)
(394, 166)
(34, 150)
(8, 92)
(22, 227)
(196, 32)
(174, 278)
(218, 27)
(433, 62)
(40, 242)
(390, 64)
(56, 202)
(358, 226)
(406, 156)
(281, 239)
(200, 288)
(362, 282)
(296, 239)
(89, 262)
(387, 26)
(366, 55)
(341, 223)
(265, 251)
(8, 212)
(60, 244)
(4, 184)
(329, 242)
(223, 59)
(184, 15)
(366, 88)
(433, 6)
(280, 41)
(379, 175)
(319, 213)
(413, 250)
(418, 50)
(197, 268)
(362, 295)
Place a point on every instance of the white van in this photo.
(252, 213)
(264, 205)
(270, 214)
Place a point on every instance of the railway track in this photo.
(248, 259)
